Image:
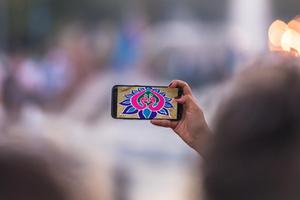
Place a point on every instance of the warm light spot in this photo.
(285, 37)
(297, 18)
(295, 25)
(291, 41)
(276, 31)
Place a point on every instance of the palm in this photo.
(188, 128)
(192, 127)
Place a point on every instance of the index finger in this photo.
(183, 85)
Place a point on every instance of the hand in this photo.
(192, 127)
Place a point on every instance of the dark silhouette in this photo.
(28, 173)
(255, 151)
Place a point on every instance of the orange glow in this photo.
(285, 37)
(291, 41)
(276, 31)
(274, 48)
(295, 25)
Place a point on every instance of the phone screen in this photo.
(146, 102)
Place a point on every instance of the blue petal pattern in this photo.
(147, 113)
(128, 96)
(163, 112)
(134, 91)
(168, 105)
(130, 110)
(153, 115)
(126, 102)
(141, 115)
(167, 99)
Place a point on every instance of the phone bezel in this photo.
(114, 100)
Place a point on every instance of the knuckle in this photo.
(185, 84)
(176, 82)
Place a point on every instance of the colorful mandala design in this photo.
(147, 102)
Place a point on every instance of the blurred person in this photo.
(127, 51)
(3, 71)
(29, 78)
(3, 76)
(12, 93)
(33, 168)
(254, 151)
(76, 63)
(57, 76)
(26, 176)
(77, 43)
(21, 84)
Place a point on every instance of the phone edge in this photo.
(179, 106)
(114, 100)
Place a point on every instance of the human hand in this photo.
(192, 127)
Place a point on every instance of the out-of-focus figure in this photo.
(255, 153)
(28, 176)
(33, 168)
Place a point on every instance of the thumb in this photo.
(164, 123)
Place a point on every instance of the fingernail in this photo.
(171, 84)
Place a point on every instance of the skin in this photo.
(192, 128)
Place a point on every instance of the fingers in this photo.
(183, 85)
(182, 100)
(164, 123)
(187, 100)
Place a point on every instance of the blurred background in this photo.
(60, 58)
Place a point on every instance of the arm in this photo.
(192, 127)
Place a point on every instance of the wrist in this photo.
(202, 142)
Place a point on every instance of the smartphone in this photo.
(145, 102)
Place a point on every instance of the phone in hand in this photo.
(145, 102)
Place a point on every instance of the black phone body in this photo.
(140, 102)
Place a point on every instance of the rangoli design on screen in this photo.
(147, 102)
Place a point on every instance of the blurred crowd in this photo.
(59, 89)
(55, 86)
(50, 77)
(61, 92)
